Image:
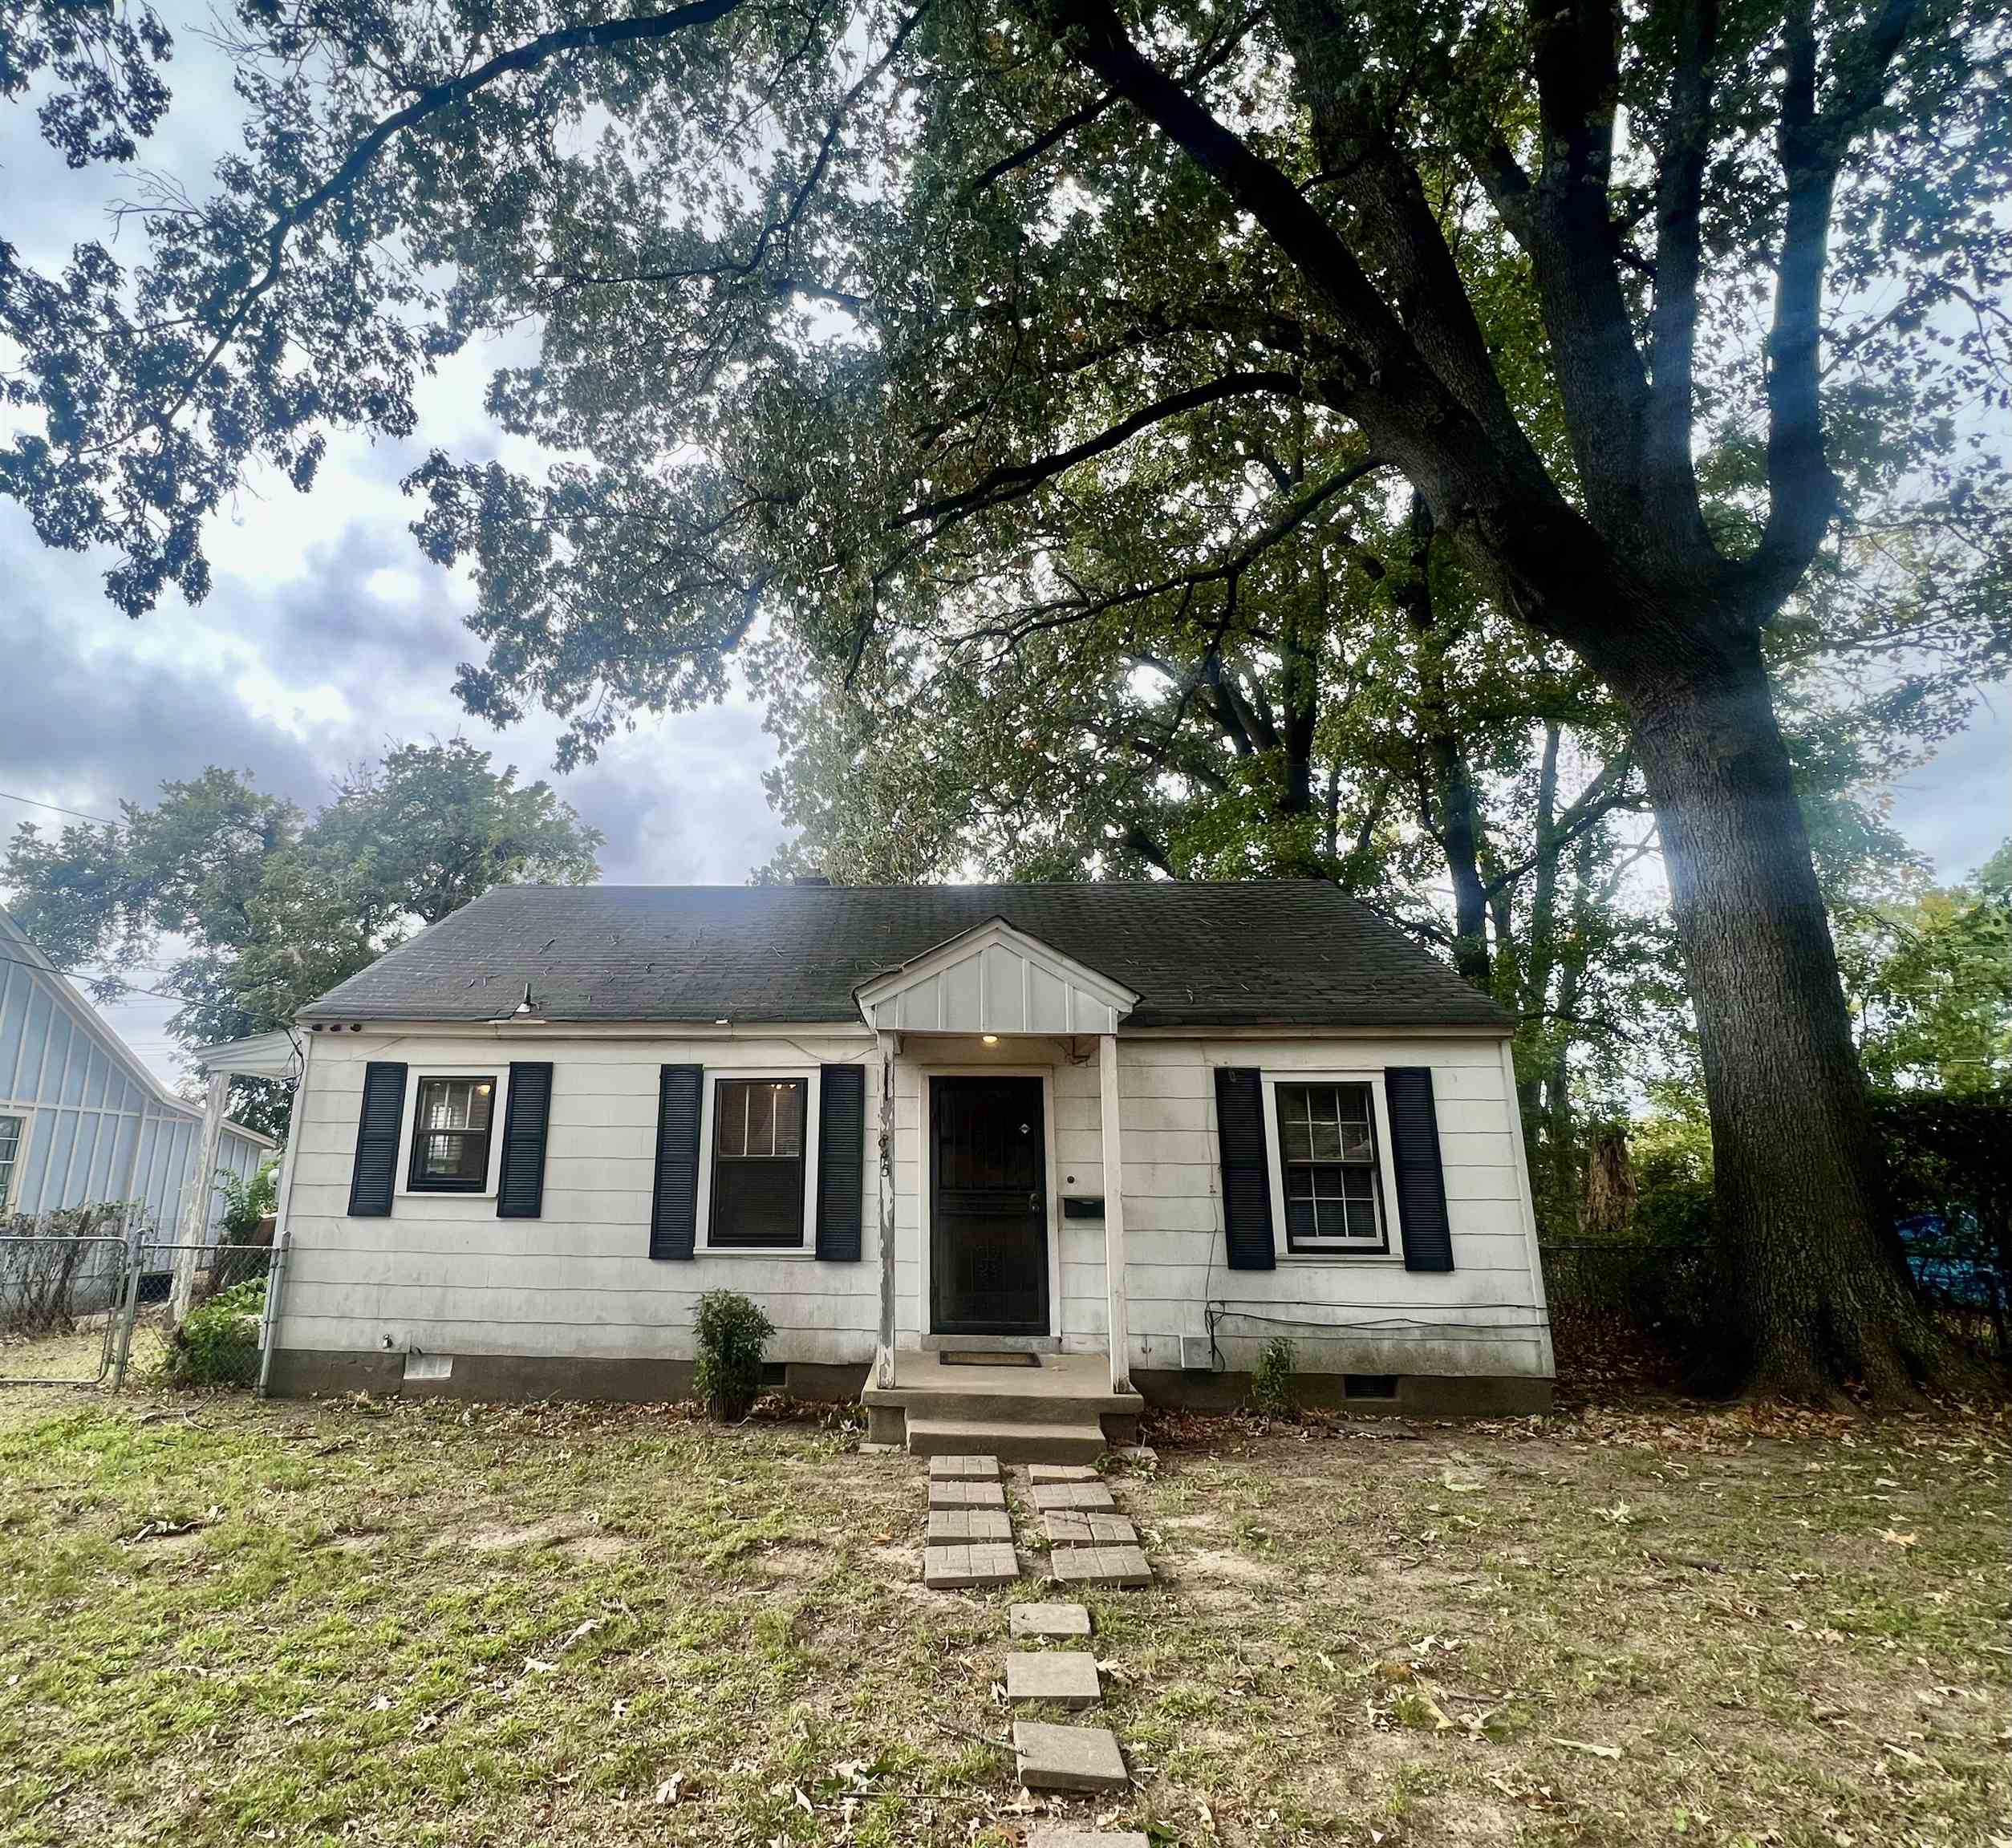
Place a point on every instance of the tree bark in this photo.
(1815, 1292)
(1458, 826)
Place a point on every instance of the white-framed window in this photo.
(452, 1139)
(1328, 1134)
(11, 1128)
(758, 1179)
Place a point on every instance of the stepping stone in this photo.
(1068, 1757)
(1066, 1677)
(967, 1495)
(957, 1567)
(1085, 1495)
(1061, 1473)
(1047, 1620)
(1101, 1565)
(968, 1524)
(1045, 1835)
(1069, 1527)
(963, 1469)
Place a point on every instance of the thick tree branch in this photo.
(1802, 492)
(1491, 496)
(1574, 253)
(1385, 206)
(1673, 321)
(430, 102)
(1015, 479)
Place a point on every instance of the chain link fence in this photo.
(86, 1300)
(204, 1328)
(62, 1281)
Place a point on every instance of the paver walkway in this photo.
(1084, 1495)
(971, 1543)
(1092, 1543)
(1052, 1757)
(967, 1495)
(970, 1540)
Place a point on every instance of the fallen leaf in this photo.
(1587, 1745)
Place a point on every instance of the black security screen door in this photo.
(988, 1236)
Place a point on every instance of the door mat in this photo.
(958, 1357)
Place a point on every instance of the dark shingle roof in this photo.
(1295, 953)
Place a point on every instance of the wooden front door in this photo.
(988, 1207)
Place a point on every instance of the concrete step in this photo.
(1018, 1439)
(979, 1406)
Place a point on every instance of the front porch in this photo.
(999, 1120)
(1020, 1408)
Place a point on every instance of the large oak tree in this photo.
(843, 302)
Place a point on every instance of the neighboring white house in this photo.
(82, 1119)
(913, 1121)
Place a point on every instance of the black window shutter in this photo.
(520, 1192)
(841, 1154)
(673, 1215)
(1414, 1162)
(377, 1131)
(1246, 1174)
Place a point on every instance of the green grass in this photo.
(224, 1621)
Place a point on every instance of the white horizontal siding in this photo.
(446, 1274)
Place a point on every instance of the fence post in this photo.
(129, 1307)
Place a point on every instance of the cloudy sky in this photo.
(328, 636)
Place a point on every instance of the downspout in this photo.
(283, 1230)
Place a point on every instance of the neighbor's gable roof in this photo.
(1288, 954)
(17, 950)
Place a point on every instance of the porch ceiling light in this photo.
(990, 1038)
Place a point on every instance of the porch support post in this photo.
(884, 1358)
(194, 1211)
(1115, 1294)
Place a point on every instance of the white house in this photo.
(83, 1121)
(968, 1146)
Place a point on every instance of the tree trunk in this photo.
(1458, 826)
(1817, 1291)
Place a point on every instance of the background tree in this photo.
(1929, 975)
(839, 299)
(258, 909)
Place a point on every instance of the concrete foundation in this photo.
(1416, 1394)
(300, 1372)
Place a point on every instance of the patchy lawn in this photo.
(222, 1621)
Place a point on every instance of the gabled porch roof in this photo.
(994, 978)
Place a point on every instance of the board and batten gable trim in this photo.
(1417, 1169)
(841, 1159)
(674, 1214)
(380, 1127)
(527, 1115)
(1247, 1181)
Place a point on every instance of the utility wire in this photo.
(58, 809)
(79, 975)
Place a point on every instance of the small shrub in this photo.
(732, 1332)
(217, 1344)
(1274, 1380)
(247, 1200)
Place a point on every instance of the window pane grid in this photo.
(758, 1162)
(451, 1135)
(1327, 1146)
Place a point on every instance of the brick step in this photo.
(1018, 1440)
